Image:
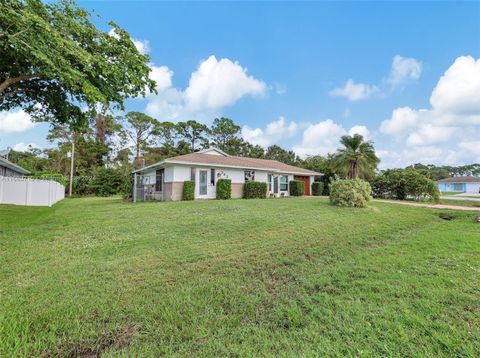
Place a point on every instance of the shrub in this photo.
(296, 187)
(188, 192)
(255, 189)
(224, 189)
(402, 183)
(81, 185)
(350, 193)
(107, 181)
(317, 188)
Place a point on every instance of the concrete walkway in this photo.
(433, 206)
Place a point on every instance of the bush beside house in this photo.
(188, 192)
(317, 188)
(255, 190)
(297, 187)
(224, 189)
(350, 193)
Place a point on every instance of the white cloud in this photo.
(280, 88)
(401, 120)
(429, 134)
(220, 83)
(23, 147)
(320, 138)
(162, 75)
(354, 91)
(215, 84)
(143, 46)
(458, 90)
(362, 130)
(15, 122)
(446, 133)
(273, 133)
(403, 70)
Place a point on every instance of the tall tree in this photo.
(224, 133)
(166, 134)
(139, 129)
(277, 153)
(357, 158)
(54, 62)
(194, 133)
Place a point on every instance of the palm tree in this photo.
(356, 158)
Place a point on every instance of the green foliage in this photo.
(297, 187)
(274, 152)
(403, 183)
(193, 133)
(59, 178)
(224, 189)
(107, 181)
(55, 61)
(356, 159)
(350, 193)
(317, 188)
(255, 190)
(82, 185)
(188, 191)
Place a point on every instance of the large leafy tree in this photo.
(275, 152)
(140, 129)
(357, 158)
(193, 133)
(224, 133)
(54, 62)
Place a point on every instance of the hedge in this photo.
(350, 193)
(317, 188)
(188, 192)
(107, 181)
(224, 189)
(297, 187)
(255, 189)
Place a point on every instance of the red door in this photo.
(306, 183)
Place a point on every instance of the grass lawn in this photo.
(249, 278)
(445, 193)
(469, 203)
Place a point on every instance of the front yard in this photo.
(280, 277)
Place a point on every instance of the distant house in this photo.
(164, 180)
(9, 169)
(461, 184)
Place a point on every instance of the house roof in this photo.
(16, 168)
(223, 160)
(461, 179)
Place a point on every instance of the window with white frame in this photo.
(284, 183)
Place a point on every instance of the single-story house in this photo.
(164, 180)
(9, 169)
(461, 184)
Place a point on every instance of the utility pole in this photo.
(71, 166)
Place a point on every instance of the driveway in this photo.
(458, 197)
(433, 206)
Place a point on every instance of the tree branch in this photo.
(10, 81)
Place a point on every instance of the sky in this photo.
(406, 75)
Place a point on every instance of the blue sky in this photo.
(298, 58)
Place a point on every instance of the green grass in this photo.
(283, 277)
(469, 203)
(445, 193)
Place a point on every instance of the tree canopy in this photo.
(54, 62)
(357, 158)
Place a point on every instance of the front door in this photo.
(275, 184)
(203, 182)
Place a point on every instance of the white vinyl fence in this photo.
(31, 192)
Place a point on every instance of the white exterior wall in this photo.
(30, 192)
(473, 187)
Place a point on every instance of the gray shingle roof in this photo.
(461, 179)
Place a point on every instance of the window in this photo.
(269, 182)
(212, 176)
(192, 174)
(458, 187)
(249, 175)
(284, 183)
(159, 179)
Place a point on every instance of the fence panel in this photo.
(30, 192)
